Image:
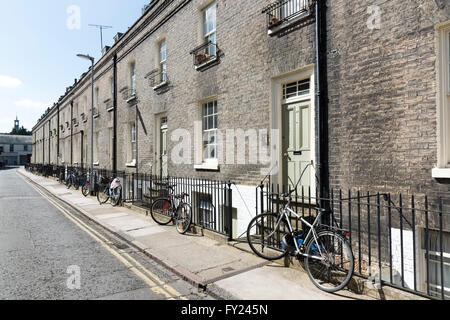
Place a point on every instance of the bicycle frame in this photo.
(312, 232)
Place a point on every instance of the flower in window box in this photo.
(200, 58)
(274, 22)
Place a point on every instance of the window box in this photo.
(205, 55)
(286, 13)
(158, 79)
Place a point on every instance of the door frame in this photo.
(277, 104)
(157, 143)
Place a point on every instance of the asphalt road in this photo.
(45, 254)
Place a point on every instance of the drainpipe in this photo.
(114, 164)
(322, 99)
(57, 137)
(71, 133)
(49, 142)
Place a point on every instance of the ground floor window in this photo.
(210, 126)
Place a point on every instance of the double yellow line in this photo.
(156, 285)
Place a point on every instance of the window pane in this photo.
(210, 18)
(163, 51)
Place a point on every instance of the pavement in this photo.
(223, 270)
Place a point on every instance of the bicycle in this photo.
(72, 179)
(111, 191)
(86, 185)
(325, 250)
(173, 208)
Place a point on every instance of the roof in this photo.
(9, 139)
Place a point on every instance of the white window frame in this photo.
(133, 78)
(133, 145)
(443, 78)
(163, 60)
(208, 131)
(202, 162)
(208, 34)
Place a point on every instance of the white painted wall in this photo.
(408, 255)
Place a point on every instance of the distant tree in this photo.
(21, 132)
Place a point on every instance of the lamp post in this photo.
(91, 173)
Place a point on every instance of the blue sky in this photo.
(40, 40)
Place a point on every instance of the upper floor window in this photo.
(209, 29)
(97, 97)
(111, 83)
(162, 61)
(133, 77)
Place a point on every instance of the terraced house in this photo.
(229, 90)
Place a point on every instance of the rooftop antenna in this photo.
(101, 27)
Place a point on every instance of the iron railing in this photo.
(281, 12)
(157, 77)
(205, 54)
(399, 241)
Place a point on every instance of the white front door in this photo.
(163, 148)
(296, 138)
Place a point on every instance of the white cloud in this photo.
(8, 82)
(27, 103)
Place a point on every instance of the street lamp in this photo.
(87, 57)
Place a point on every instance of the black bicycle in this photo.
(173, 208)
(327, 254)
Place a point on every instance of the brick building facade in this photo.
(382, 84)
(388, 106)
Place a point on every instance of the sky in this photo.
(40, 41)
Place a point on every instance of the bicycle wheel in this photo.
(85, 190)
(162, 211)
(68, 183)
(329, 261)
(103, 195)
(265, 234)
(116, 196)
(76, 184)
(184, 218)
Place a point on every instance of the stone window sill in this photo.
(162, 84)
(441, 173)
(210, 166)
(131, 164)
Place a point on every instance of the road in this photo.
(50, 252)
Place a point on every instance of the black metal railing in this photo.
(399, 241)
(157, 77)
(281, 12)
(205, 54)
